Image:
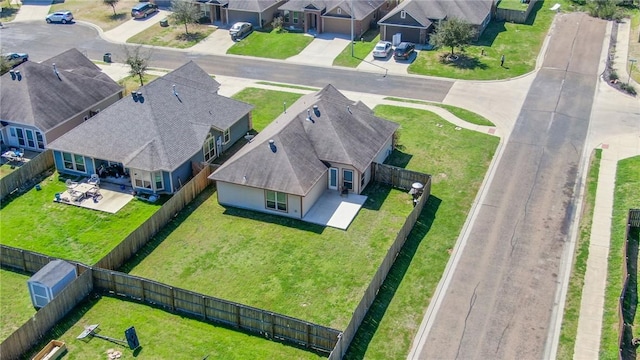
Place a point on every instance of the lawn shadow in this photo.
(376, 312)
(370, 35)
(534, 13)
(8, 12)
(490, 34)
(273, 219)
(376, 194)
(398, 157)
(118, 16)
(184, 214)
(191, 37)
(463, 61)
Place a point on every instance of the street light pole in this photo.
(631, 62)
(352, 41)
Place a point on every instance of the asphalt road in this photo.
(499, 302)
(43, 41)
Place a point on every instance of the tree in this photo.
(452, 33)
(111, 3)
(185, 12)
(138, 62)
(5, 65)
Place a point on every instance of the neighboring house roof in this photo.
(252, 5)
(342, 131)
(45, 96)
(163, 130)
(361, 8)
(301, 5)
(426, 11)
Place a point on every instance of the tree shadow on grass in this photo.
(8, 12)
(117, 17)
(191, 37)
(376, 312)
(463, 61)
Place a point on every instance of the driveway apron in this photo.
(322, 50)
(498, 302)
(130, 28)
(33, 11)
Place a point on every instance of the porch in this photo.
(335, 210)
(111, 198)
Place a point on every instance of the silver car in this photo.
(382, 49)
(60, 16)
(15, 59)
(240, 29)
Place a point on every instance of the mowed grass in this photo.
(520, 44)
(512, 5)
(15, 302)
(33, 221)
(173, 35)
(625, 197)
(132, 82)
(458, 161)
(161, 335)
(269, 104)
(576, 282)
(96, 12)
(6, 169)
(634, 45)
(464, 114)
(360, 51)
(272, 45)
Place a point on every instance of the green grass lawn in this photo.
(287, 86)
(576, 282)
(161, 335)
(464, 114)
(269, 104)
(96, 12)
(6, 169)
(33, 221)
(132, 82)
(520, 43)
(15, 302)
(360, 51)
(512, 5)
(8, 12)
(172, 36)
(626, 196)
(272, 45)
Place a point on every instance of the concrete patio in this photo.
(112, 198)
(335, 210)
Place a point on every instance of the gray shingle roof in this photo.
(424, 11)
(52, 273)
(341, 132)
(300, 5)
(252, 5)
(162, 131)
(362, 8)
(43, 99)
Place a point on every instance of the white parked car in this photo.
(60, 16)
(382, 49)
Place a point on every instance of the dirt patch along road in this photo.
(500, 298)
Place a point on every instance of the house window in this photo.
(12, 131)
(362, 181)
(20, 137)
(209, 148)
(295, 17)
(403, 14)
(347, 179)
(157, 176)
(286, 16)
(339, 11)
(226, 136)
(148, 180)
(73, 162)
(276, 200)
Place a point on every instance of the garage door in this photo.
(236, 16)
(408, 34)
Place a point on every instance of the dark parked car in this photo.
(143, 10)
(404, 50)
(15, 59)
(240, 29)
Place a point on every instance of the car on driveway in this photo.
(143, 10)
(404, 50)
(382, 49)
(60, 16)
(15, 59)
(240, 29)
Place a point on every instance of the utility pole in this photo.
(352, 36)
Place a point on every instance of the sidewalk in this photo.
(621, 59)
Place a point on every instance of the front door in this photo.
(333, 178)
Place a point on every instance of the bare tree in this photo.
(111, 3)
(185, 12)
(138, 61)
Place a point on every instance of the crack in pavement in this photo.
(472, 302)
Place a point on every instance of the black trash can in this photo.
(107, 57)
(164, 22)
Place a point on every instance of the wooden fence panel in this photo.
(515, 16)
(398, 177)
(28, 171)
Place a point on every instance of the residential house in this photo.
(334, 16)
(416, 19)
(257, 12)
(152, 137)
(39, 102)
(324, 141)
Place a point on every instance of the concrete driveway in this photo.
(322, 50)
(33, 10)
(389, 64)
(217, 43)
(123, 32)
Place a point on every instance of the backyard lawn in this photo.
(162, 335)
(172, 35)
(6, 169)
(273, 45)
(33, 221)
(625, 197)
(15, 303)
(96, 12)
(132, 82)
(269, 104)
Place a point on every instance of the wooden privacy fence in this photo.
(266, 323)
(25, 173)
(140, 236)
(402, 177)
(628, 301)
(515, 16)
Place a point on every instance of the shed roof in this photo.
(51, 273)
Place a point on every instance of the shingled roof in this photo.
(163, 129)
(44, 96)
(252, 5)
(338, 131)
(424, 11)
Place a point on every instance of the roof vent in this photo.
(316, 110)
(55, 70)
(309, 119)
(349, 109)
(174, 90)
(272, 146)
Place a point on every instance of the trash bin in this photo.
(107, 57)
(164, 22)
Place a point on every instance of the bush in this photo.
(276, 24)
(613, 76)
(628, 88)
(605, 9)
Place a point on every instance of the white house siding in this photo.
(253, 199)
(315, 193)
(385, 151)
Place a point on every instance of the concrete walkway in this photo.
(122, 33)
(621, 59)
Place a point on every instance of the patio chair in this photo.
(70, 184)
(94, 180)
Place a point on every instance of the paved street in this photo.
(499, 303)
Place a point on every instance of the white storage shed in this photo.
(49, 281)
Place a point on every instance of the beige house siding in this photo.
(313, 195)
(254, 199)
(338, 25)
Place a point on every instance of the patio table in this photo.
(85, 188)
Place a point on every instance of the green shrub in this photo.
(605, 9)
(628, 88)
(613, 76)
